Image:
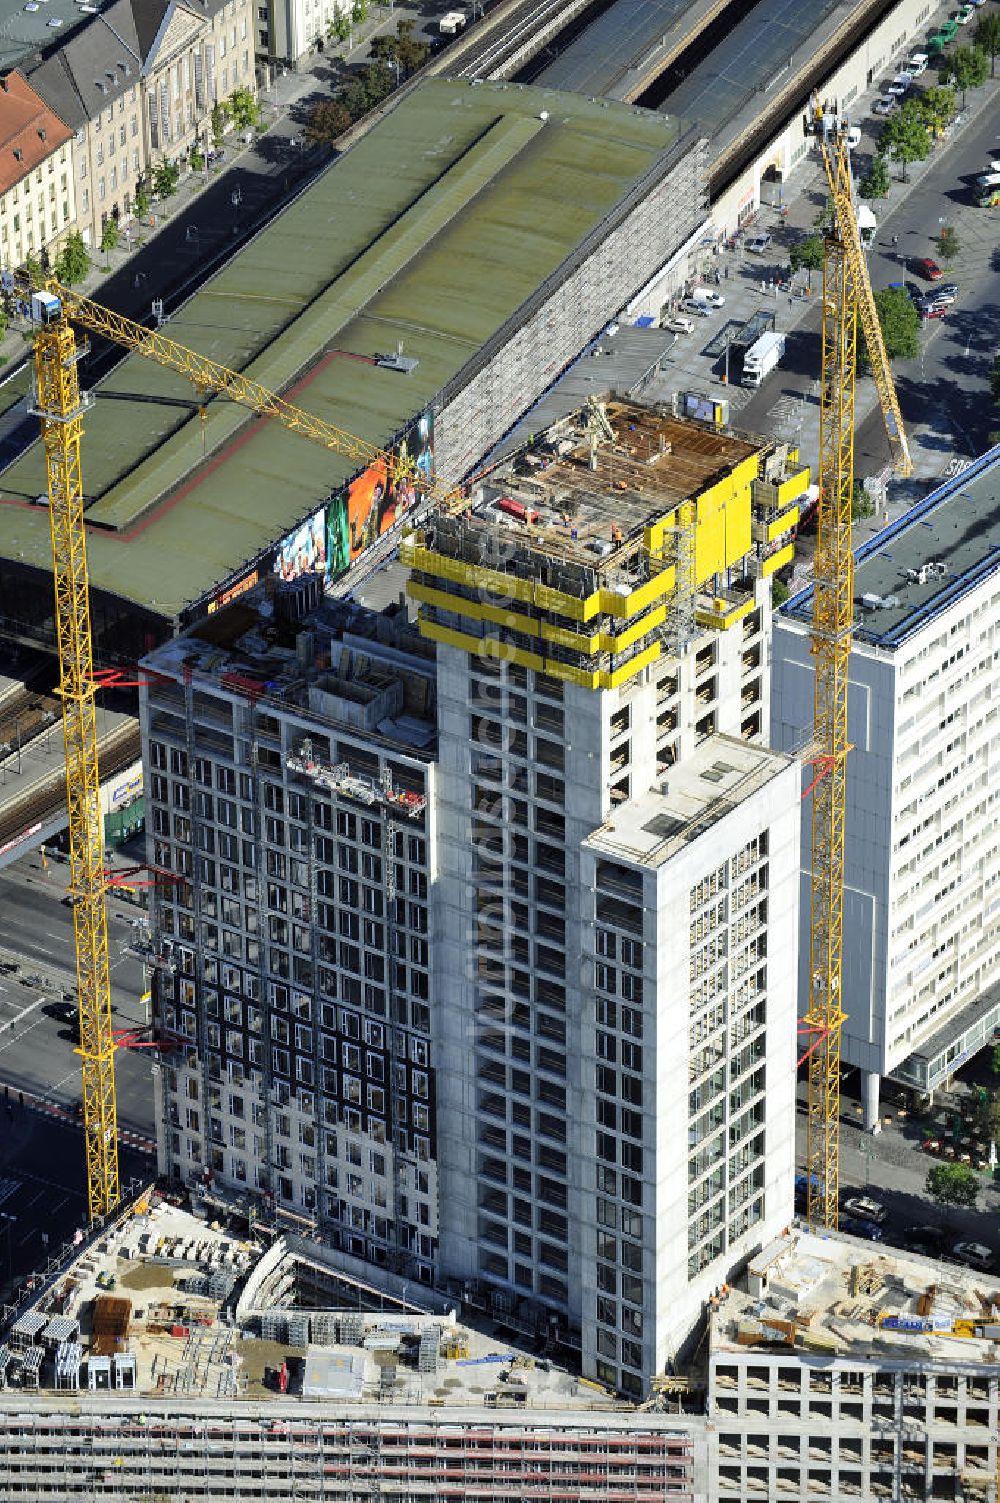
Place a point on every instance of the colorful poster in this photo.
(304, 550)
(373, 502)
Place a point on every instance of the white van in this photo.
(451, 24)
(988, 180)
(677, 323)
(918, 64)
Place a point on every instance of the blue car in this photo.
(855, 1228)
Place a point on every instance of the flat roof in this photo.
(693, 796)
(838, 1296)
(909, 573)
(607, 56)
(396, 243)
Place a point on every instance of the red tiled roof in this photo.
(29, 131)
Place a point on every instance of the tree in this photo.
(109, 241)
(244, 111)
(862, 505)
(900, 323)
(905, 137)
(402, 50)
(327, 123)
(875, 182)
(196, 158)
(779, 591)
(947, 243)
(165, 179)
(220, 119)
(33, 267)
(953, 1185)
(988, 37)
(825, 218)
(808, 254)
(937, 105)
(969, 67)
(355, 98)
(995, 389)
(377, 82)
(73, 261)
(986, 1114)
(141, 200)
(339, 29)
(995, 1059)
(359, 12)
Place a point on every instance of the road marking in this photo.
(11, 1022)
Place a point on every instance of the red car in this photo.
(932, 310)
(929, 269)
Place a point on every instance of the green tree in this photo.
(355, 98)
(141, 200)
(824, 219)
(947, 243)
(875, 182)
(33, 267)
(109, 241)
(779, 591)
(196, 158)
(995, 389)
(402, 49)
(905, 137)
(73, 261)
(4, 323)
(165, 179)
(327, 123)
(969, 67)
(377, 81)
(937, 106)
(900, 323)
(339, 28)
(986, 1114)
(244, 111)
(807, 254)
(220, 119)
(862, 505)
(953, 1185)
(359, 12)
(995, 1058)
(988, 37)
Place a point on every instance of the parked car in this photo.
(758, 243)
(900, 86)
(702, 310)
(678, 324)
(928, 309)
(865, 1208)
(975, 1254)
(706, 295)
(928, 268)
(883, 106)
(964, 14)
(926, 1239)
(917, 64)
(940, 298)
(861, 1229)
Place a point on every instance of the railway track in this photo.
(42, 802)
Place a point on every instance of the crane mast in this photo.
(60, 406)
(847, 299)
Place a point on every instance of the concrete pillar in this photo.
(869, 1095)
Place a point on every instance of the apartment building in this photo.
(137, 85)
(922, 849)
(37, 204)
(838, 1372)
(291, 31)
(420, 935)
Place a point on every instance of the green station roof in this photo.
(431, 232)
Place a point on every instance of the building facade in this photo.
(921, 852)
(420, 938)
(37, 201)
(138, 85)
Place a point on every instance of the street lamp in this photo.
(236, 198)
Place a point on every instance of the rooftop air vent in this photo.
(402, 363)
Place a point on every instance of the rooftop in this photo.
(694, 796)
(432, 231)
(620, 47)
(29, 131)
(185, 1307)
(909, 573)
(838, 1297)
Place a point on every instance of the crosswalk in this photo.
(8, 1187)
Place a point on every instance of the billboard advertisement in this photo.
(369, 506)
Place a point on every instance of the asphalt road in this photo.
(944, 394)
(37, 1051)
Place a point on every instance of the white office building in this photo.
(922, 901)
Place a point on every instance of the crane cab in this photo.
(45, 308)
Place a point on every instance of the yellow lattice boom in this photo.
(59, 406)
(847, 296)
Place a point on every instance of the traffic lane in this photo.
(42, 1058)
(43, 1188)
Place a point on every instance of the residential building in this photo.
(137, 85)
(421, 933)
(921, 904)
(292, 31)
(841, 1371)
(36, 177)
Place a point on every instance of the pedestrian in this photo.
(790, 300)
(895, 240)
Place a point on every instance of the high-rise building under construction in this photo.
(480, 929)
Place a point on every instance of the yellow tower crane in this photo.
(847, 296)
(60, 405)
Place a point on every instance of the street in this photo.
(37, 1050)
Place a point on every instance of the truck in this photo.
(762, 356)
(452, 23)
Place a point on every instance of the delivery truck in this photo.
(762, 356)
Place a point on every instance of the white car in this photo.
(678, 324)
(758, 243)
(974, 1253)
(706, 295)
(883, 106)
(964, 15)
